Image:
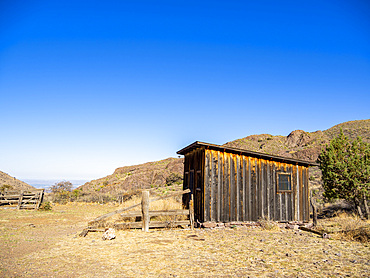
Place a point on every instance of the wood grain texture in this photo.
(235, 187)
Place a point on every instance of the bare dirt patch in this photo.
(47, 244)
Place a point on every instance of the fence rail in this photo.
(143, 216)
(22, 199)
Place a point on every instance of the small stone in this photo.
(209, 225)
(338, 254)
(109, 234)
(325, 236)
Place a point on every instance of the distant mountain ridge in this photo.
(147, 175)
(15, 184)
(298, 144)
(301, 144)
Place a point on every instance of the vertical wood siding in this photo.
(236, 187)
(194, 180)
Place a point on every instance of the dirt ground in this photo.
(46, 244)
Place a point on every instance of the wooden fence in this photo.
(144, 216)
(22, 199)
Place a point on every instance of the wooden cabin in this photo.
(230, 184)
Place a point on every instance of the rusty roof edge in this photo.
(197, 144)
(189, 147)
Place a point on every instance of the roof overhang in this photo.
(197, 145)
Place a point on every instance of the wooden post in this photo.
(136, 205)
(314, 209)
(20, 200)
(191, 212)
(145, 210)
(40, 197)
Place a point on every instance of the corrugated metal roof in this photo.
(266, 156)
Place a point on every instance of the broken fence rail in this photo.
(145, 215)
(136, 205)
(23, 199)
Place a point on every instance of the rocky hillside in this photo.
(303, 145)
(11, 183)
(298, 144)
(148, 175)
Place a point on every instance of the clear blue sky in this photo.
(89, 86)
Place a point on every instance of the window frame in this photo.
(186, 180)
(278, 190)
(191, 181)
(199, 180)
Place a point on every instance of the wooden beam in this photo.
(153, 224)
(154, 213)
(20, 200)
(41, 196)
(136, 205)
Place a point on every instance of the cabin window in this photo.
(191, 180)
(284, 182)
(199, 180)
(186, 180)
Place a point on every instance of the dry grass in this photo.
(50, 247)
(165, 205)
(268, 224)
(347, 227)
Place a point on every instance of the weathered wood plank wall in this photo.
(193, 180)
(233, 187)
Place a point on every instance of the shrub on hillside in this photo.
(46, 206)
(5, 187)
(174, 178)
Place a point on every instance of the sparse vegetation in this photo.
(15, 184)
(346, 226)
(61, 187)
(268, 224)
(148, 175)
(174, 178)
(45, 206)
(5, 187)
(61, 191)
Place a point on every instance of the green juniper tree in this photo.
(345, 170)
